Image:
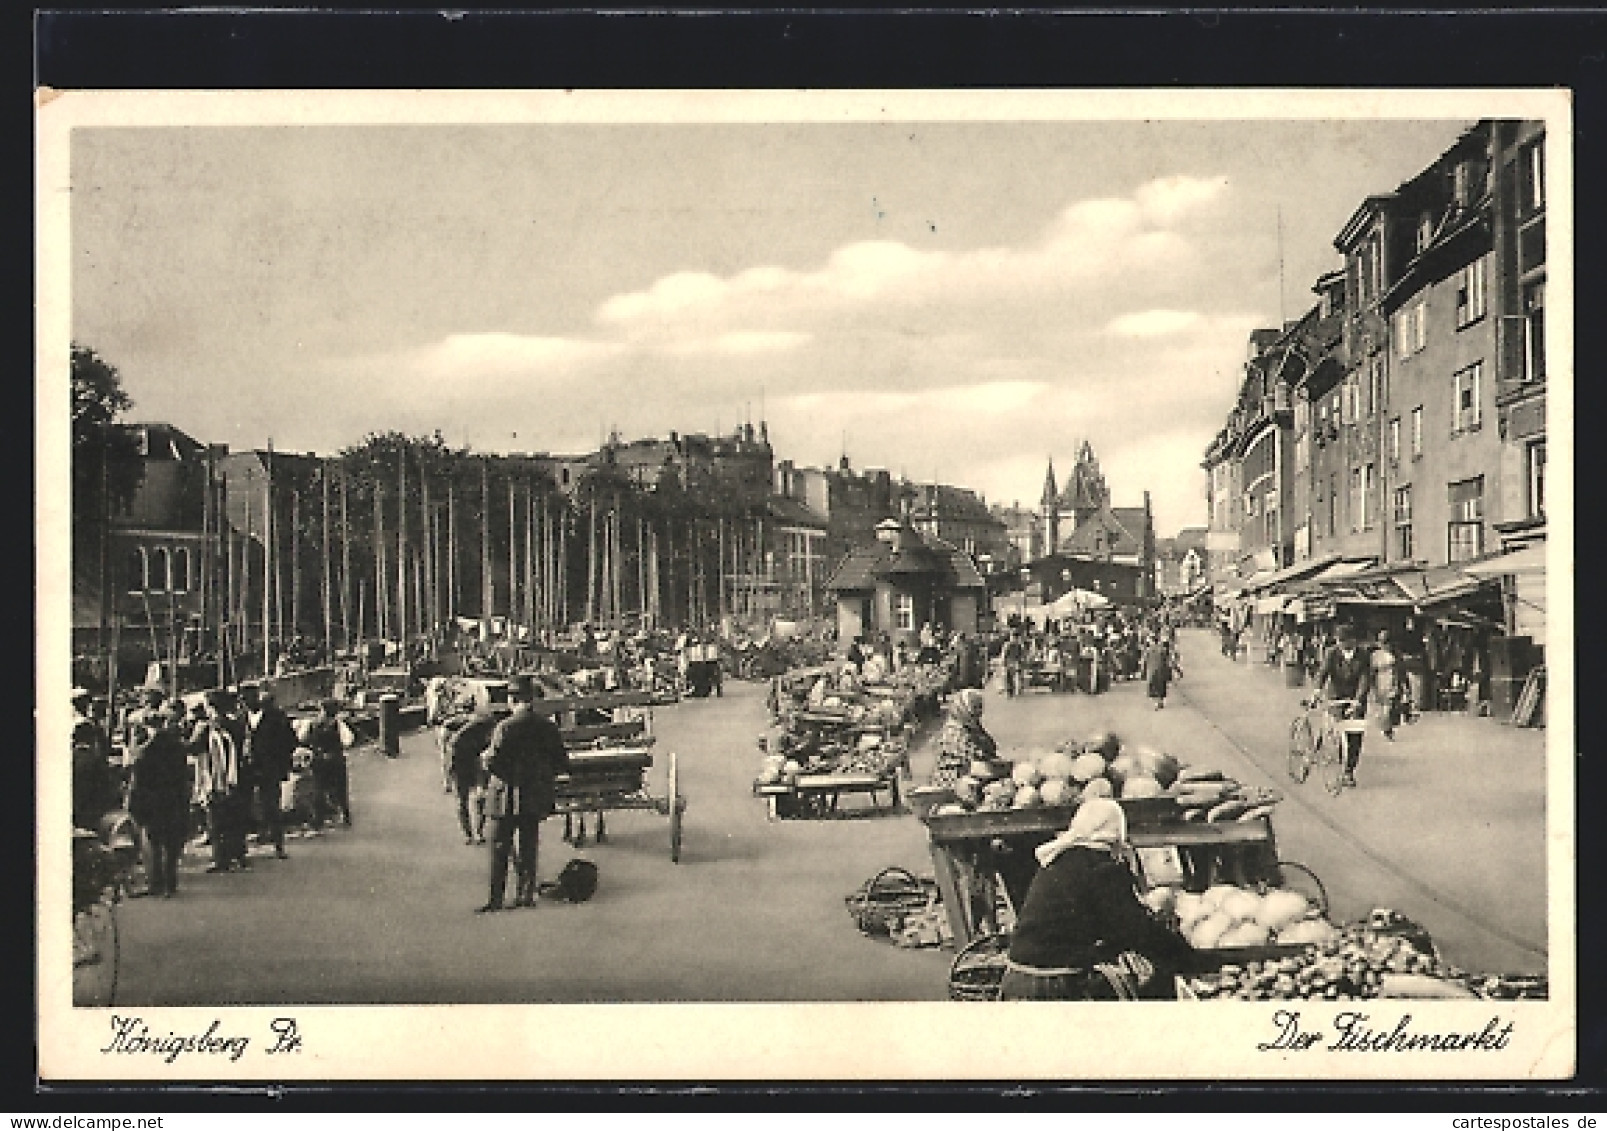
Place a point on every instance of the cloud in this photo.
(460, 355)
(1170, 199)
(1152, 323)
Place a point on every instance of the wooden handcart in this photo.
(608, 764)
(984, 861)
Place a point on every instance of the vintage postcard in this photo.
(862, 585)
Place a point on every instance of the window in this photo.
(1403, 522)
(1534, 332)
(1466, 406)
(1347, 401)
(1369, 484)
(1470, 293)
(139, 570)
(904, 612)
(1532, 177)
(1417, 432)
(161, 570)
(1465, 531)
(1357, 505)
(1375, 386)
(1395, 439)
(1333, 504)
(181, 570)
(1411, 329)
(1425, 231)
(1536, 459)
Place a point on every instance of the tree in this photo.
(105, 453)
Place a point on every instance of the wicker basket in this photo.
(978, 970)
(882, 902)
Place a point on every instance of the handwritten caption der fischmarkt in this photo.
(132, 1036)
(1359, 1032)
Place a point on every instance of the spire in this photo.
(1050, 491)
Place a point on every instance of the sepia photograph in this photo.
(759, 583)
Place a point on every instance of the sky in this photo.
(952, 301)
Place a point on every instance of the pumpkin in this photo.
(1241, 904)
(1190, 909)
(1025, 773)
(1027, 797)
(1247, 933)
(1214, 895)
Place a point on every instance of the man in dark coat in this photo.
(332, 785)
(526, 756)
(1347, 674)
(159, 798)
(270, 756)
(220, 781)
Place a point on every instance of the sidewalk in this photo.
(1448, 824)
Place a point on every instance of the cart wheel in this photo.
(1298, 877)
(676, 804)
(1300, 749)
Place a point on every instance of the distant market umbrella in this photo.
(1076, 601)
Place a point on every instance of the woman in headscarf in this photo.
(962, 739)
(1160, 665)
(1083, 932)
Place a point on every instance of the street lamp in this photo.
(1026, 577)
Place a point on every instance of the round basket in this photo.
(882, 902)
(978, 970)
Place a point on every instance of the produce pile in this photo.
(868, 753)
(1225, 916)
(1100, 767)
(1358, 962)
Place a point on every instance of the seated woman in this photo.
(1083, 932)
(962, 739)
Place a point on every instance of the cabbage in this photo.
(1162, 767)
(1241, 904)
(1190, 908)
(1086, 767)
(769, 775)
(1026, 798)
(1056, 791)
(792, 768)
(1215, 895)
(1105, 744)
(968, 790)
(1121, 768)
(1140, 786)
(1099, 787)
(1055, 765)
(1025, 773)
(1281, 908)
(1208, 932)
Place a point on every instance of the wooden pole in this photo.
(401, 546)
(513, 558)
(452, 548)
(295, 561)
(269, 565)
(563, 568)
(381, 628)
(324, 569)
(485, 544)
(591, 561)
(345, 563)
(530, 561)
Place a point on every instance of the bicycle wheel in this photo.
(1333, 757)
(94, 955)
(1301, 743)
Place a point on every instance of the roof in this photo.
(922, 555)
(793, 512)
(1530, 559)
(1297, 572)
(1108, 530)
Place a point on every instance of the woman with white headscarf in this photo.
(1083, 932)
(962, 739)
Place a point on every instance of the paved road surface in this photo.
(1447, 827)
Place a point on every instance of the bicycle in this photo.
(1316, 738)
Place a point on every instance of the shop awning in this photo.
(1297, 572)
(1530, 559)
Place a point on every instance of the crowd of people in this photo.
(227, 768)
(1090, 655)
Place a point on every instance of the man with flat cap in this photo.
(525, 757)
(269, 757)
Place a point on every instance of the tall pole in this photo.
(429, 604)
(591, 561)
(486, 545)
(295, 560)
(380, 627)
(324, 571)
(452, 547)
(401, 545)
(269, 565)
(513, 558)
(345, 563)
(530, 559)
(225, 595)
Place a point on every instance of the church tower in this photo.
(1086, 494)
(1049, 512)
